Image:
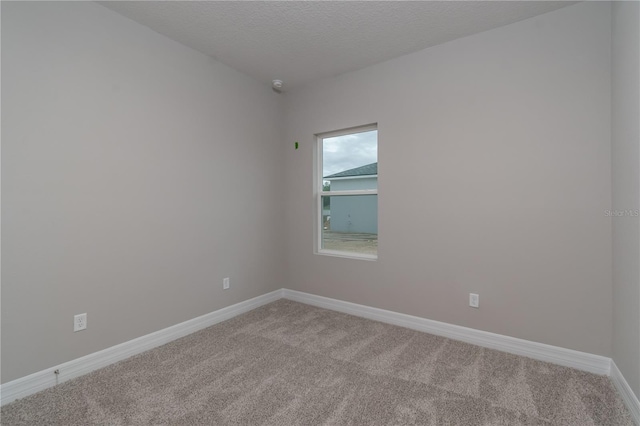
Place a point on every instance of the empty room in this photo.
(308, 212)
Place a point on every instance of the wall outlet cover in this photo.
(474, 300)
(79, 322)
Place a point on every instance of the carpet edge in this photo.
(540, 351)
(46, 378)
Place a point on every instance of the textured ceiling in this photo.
(302, 41)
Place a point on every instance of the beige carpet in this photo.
(288, 363)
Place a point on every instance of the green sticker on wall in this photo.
(296, 145)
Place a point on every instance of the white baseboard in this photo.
(41, 380)
(540, 351)
(630, 399)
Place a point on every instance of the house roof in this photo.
(366, 170)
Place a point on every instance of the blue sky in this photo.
(349, 151)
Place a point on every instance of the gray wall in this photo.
(626, 190)
(494, 175)
(117, 146)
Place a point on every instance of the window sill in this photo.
(348, 255)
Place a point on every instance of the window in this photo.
(347, 193)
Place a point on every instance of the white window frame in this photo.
(319, 193)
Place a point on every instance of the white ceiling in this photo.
(302, 41)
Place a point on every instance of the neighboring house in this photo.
(355, 213)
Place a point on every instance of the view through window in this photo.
(348, 192)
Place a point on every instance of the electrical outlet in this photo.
(79, 322)
(225, 284)
(474, 300)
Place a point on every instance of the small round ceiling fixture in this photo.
(276, 85)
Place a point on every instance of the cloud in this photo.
(349, 151)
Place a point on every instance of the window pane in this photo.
(348, 158)
(350, 223)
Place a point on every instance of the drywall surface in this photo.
(136, 174)
(494, 178)
(625, 108)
